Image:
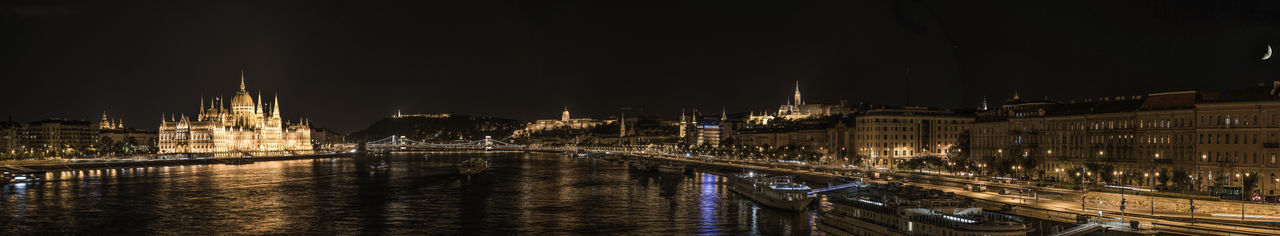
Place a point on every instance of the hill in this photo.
(438, 129)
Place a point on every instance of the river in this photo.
(534, 193)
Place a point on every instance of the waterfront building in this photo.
(1214, 140)
(10, 137)
(57, 136)
(244, 127)
(885, 137)
(807, 136)
(708, 134)
(565, 121)
(325, 139)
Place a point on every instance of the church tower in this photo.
(622, 125)
(798, 101)
(564, 116)
(683, 123)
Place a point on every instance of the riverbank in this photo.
(112, 164)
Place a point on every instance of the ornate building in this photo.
(797, 109)
(244, 128)
(564, 121)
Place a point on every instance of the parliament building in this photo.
(244, 129)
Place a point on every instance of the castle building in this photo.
(564, 122)
(244, 128)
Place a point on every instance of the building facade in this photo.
(565, 121)
(888, 136)
(242, 128)
(1218, 140)
(56, 136)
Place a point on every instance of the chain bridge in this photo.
(394, 143)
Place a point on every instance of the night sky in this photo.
(345, 64)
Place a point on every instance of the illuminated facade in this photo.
(797, 109)
(244, 128)
(565, 121)
(887, 137)
(1213, 140)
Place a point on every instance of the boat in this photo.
(379, 165)
(14, 177)
(774, 191)
(909, 210)
(473, 166)
(670, 168)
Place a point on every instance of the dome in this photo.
(242, 99)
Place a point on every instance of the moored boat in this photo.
(909, 210)
(773, 191)
(15, 177)
(670, 168)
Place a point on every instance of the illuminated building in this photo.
(114, 131)
(565, 121)
(1215, 138)
(58, 135)
(244, 128)
(440, 115)
(797, 109)
(889, 136)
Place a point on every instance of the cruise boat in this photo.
(773, 191)
(14, 177)
(909, 210)
(473, 166)
(670, 168)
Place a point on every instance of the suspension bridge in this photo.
(395, 143)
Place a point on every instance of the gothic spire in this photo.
(798, 101)
(241, 79)
(275, 110)
(259, 108)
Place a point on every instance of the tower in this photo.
(105, 124)
(683, 123)
(622, 125)
(564, 116)
(242, 104)
(798, 102)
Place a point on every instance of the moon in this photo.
(1268, 55)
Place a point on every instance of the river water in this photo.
(536, 194)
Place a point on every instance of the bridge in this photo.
(394, 142)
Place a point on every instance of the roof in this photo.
(1095, 107)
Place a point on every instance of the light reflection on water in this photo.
(522, 193)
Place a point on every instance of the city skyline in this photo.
(528, 60)
(877, 117)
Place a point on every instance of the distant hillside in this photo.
(452, 128)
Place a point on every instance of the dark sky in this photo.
(345, 64)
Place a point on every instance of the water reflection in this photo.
(522, 193)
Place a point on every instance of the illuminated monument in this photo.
(245, 128)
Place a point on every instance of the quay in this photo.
(998, 194)
(89, 164)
